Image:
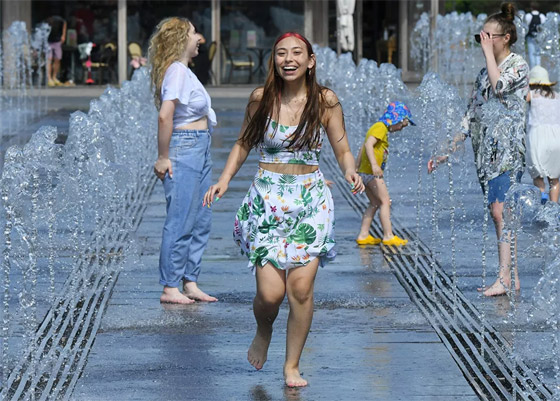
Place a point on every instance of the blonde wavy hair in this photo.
(167, 45)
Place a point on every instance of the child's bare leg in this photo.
(381, 195)
(554, 189)
(368, 216)
(271, 288)
(299, 288)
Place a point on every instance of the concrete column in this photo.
(122, 45)
(16, 11)
(308, 21)
(434, 11)
(338, 47)
(403, 37)
(216, 23)
(316, 21)
(323, 26)
(359, 18)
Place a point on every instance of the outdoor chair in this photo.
(136, 58)
(386, 48)
(239, 63)
(101, 61)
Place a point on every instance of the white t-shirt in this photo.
(529, 17)
(180, 83)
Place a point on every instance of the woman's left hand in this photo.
(486, 44)
(355, 181)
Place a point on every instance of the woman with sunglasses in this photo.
(498, 141)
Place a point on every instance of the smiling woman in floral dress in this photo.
(285, 223)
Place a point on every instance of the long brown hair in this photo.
(167, 44)
(544, 90)
(504, 19)
(308, 132)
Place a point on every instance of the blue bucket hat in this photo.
(395, 113)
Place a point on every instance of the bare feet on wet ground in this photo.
(172, 295)
(191, 290)
(293, 378)
(500, 287)
(258, 350)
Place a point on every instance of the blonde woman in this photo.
(184, 165)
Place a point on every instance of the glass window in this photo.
(248, 30)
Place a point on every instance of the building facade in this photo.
(243, 31)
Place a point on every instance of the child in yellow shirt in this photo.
(370, 165)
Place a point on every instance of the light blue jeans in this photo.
(533, 52)
(187, 226)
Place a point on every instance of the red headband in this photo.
(298, 36)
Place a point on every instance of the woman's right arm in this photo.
(453, 146)
(464, 131)
(236, 157)
(165, 130)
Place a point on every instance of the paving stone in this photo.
(368, 341)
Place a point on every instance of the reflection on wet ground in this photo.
(368, 340)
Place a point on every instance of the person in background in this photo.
(184, 164)
(533, 20)
(543, 137)
(499, 152)
(56, 38)
(370, 163)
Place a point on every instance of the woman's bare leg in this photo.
(271, 288)
(554, 189)
(503, 282)
(539, 183)
(299, 288)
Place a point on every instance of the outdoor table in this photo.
(261, 53)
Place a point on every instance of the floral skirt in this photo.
(286, 220)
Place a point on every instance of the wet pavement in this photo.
(519, 318)
(368, 340)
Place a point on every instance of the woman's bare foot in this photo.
(496, 289)
(293, 378)
(500, 287)
(258, 350)
(172, 295)
(191, 290)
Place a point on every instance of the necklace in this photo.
(293, 112)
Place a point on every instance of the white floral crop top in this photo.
(274, 147)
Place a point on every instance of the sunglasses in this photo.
(494, 35)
